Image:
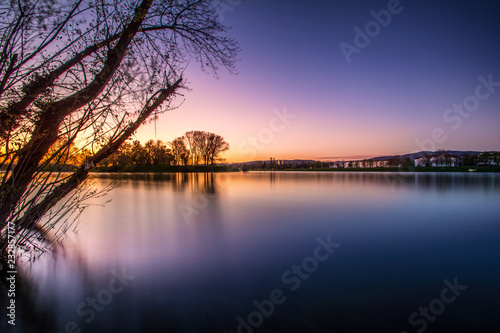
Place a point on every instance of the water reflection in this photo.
(207, 182)
(425, 180)
(195, 182)
(203, 247)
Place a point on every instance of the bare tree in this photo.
(205, 146)
(394, 161)
(88, 74)
(215, 146)
(484, 158)
(189, 142)
(407, 162)
(496, 158)
(441, 160)
(425, 160)
(200, 145)
(195, 141)
(179, 151)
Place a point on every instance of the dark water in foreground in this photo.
(274, 252)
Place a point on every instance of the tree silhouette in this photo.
(179, 151)
(158, 153)
(214, 147)
(205, 146)
(88, 74)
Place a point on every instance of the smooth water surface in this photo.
(274, 252)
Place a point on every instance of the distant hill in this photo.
(458, 153)
(416, 155)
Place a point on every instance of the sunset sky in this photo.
(297, 96)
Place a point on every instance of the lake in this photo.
(274, 252)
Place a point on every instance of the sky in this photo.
(338, 80)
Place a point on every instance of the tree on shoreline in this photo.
(205, 146)
(152, 153)
(179, 151)
(214, 148)
(194, 141)
(88, 74)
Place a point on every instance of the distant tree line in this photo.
(193, 148)
(485, 158)
(281, 165)
(441, 158)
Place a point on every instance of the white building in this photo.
(442, 160)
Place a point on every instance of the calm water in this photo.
(274, 252)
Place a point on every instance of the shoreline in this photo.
(191, 169)
(395, 169)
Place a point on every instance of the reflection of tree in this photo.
(181, 181)
(196, 182)
(30, 316)
(203, 183)
(210, 186)
(447, 182)
(426, 181)
(272, 178)
(37, 308)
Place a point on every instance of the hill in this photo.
(458, 153)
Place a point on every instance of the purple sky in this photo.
(297, 96)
